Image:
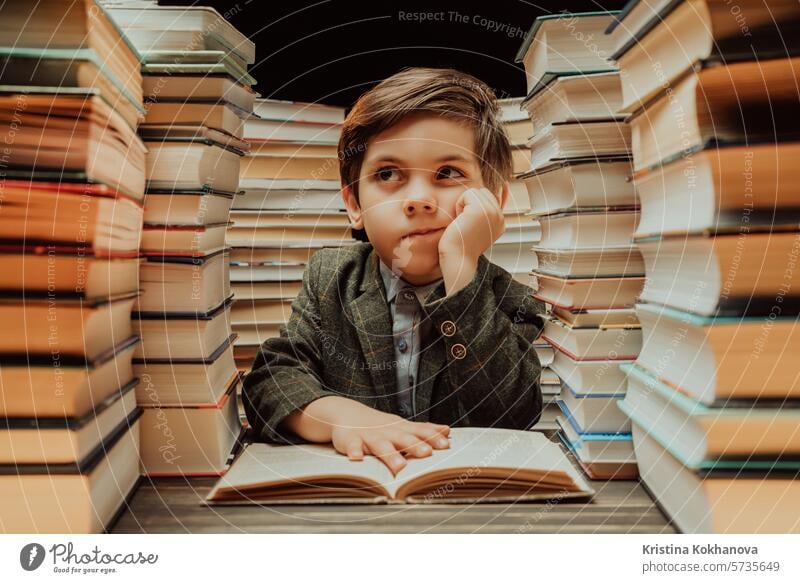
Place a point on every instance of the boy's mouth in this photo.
(418, 233)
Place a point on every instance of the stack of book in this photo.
(512, 251)
(714, 396)
(291, 207)
(197, 95)
(585, 265)
(71, 191)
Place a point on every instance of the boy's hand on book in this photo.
(363, 430)
(357, 430)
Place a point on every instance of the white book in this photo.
(185, 165)
(194, 441)
(598, 447)
(266, 290)
(188, 382)
(65, 440)
(691, 32)
(199, 88)
(311, 195)
(579, 184)
(574, 98)
(70, 501)
(699, 435)
(256, 334)
(26, 386)
(170, 207)
(588, 229)
(183, 239)
(180, 335)
(557, 143)
(188, 284)
(712, 191)
(296, 111)
(510, 109)
(174, 28)
(588, 262)
(278, 130)
(586, 375)
(594, 413)
(588, 293)
(612, 343)
(263, 272)
(714, 359)
(252, 312)
(550, 48)
(716, 502)
(726, 274)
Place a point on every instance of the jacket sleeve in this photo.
(488, 328)
(287, 372)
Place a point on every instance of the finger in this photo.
(436, 437)
(490, 199)
(484, 199)
(443, 429)
(461, 203)
(439, 427)
(412, 445)
(469, 196)
(354, 448)
(385, 451)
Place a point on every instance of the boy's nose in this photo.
(419, 204)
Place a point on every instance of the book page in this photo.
(264, 464)
(479, 447)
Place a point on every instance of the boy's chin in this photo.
(417, 267)
(422, 272)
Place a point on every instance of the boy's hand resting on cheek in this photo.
(356, 430)
(478, 223)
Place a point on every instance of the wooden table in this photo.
(174, 505)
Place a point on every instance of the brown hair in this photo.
(444, 92)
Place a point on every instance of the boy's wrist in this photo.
(342, 412)
(458, 269)
(315, 421)
(333, 411)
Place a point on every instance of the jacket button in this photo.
(448, 328)
(458, 351)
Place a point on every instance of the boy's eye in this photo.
(387, 174)
(446, 172)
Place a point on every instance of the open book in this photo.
(481, 465)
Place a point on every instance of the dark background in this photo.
(333, 50)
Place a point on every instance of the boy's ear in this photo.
(504, 194)
(353, 208)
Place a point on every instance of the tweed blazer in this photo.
(480, 369)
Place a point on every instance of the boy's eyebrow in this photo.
(445, 158)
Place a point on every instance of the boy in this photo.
(393, 341)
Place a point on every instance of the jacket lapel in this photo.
(371, 317)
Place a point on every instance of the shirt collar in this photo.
(393, 283)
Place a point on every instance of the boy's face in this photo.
(411, 179)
